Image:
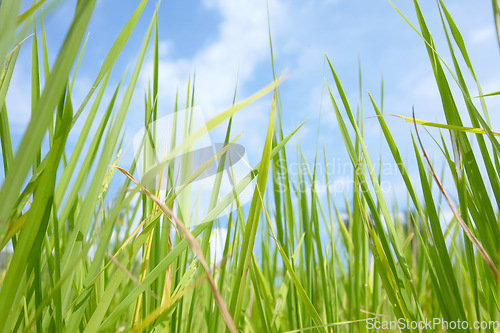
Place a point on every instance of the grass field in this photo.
(88, 256)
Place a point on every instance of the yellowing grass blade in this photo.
(445, 126)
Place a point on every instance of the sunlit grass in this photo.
(136, 259)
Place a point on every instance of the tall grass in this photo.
(318, 270)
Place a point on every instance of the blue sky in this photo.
(220, 38)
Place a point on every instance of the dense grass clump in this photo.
(136, 258)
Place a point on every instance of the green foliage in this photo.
(316, 270)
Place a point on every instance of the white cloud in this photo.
(242, 43)
(18, 101)
(240, 46)
(482, 35)
(217, 241)
(164, 48)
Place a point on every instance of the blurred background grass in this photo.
(86, 248)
